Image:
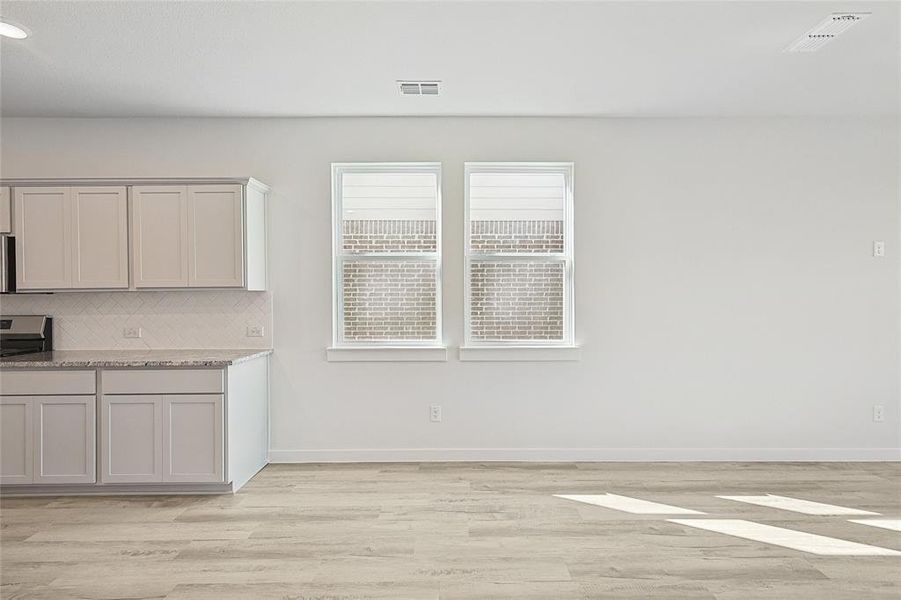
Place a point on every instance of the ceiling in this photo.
(671, 58)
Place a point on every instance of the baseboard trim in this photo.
(115, 489)
(586, 455)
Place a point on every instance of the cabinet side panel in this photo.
(248, 419)
(255, 207)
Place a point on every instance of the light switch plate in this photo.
(878, 248)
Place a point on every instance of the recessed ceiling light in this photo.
(11, 31)
(834, 25)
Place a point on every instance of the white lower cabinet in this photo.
(64, 439)
(127, 430)
(47, 439)
(16, 440)
(131, 446)
(153, 438)
(192, 438)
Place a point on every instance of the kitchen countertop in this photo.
(93, 359)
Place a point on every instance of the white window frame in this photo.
(470, 346)
(339, 256)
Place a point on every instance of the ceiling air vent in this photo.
(834, 25)
(419, 88)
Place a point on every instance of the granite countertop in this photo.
(92, 359)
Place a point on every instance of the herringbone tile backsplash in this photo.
(168, 320)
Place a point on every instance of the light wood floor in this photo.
(473, 531)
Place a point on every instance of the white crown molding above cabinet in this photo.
(136, 234)
(94, 181)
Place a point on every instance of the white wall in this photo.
(727, 300)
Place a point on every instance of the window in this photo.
(387, 254)
(519, 254)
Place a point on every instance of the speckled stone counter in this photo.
(111, 359)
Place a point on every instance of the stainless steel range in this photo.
(25, 334)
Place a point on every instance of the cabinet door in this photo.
(216, 236)
(131, 443)
(16, 440)
(43, 238)
(100, 231)
(160, 236)
(5, 210)
(64, 439)
(192, 438)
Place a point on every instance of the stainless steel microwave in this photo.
(7, 264)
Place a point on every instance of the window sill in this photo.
(387, 354)
(520, 353)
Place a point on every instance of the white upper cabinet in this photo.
(216, 236)
(119, 234)
(43, 238)
(160, 236)
(100, 230)
(199, 236)
(71, 237)
(5, 210)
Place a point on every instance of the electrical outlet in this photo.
(255, 331)
(879, 249)
(435, 413)
(131, 332)
(878, 413)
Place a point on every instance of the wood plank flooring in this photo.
(455, 531)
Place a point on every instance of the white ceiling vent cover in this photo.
(834, 25)
(419, 88)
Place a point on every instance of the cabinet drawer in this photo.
(163, 381)
(31, 383)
